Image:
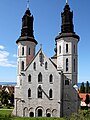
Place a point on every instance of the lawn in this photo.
(37, 118)
(6, 115)
(5, 112)
(82, 115)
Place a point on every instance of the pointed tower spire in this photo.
(66, 1)
(67, 26)
(27, 26)
(27, 4)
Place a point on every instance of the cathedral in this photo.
(45, 86)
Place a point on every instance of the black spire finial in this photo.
(27, 4)
(66, 1)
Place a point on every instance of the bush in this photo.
(76, 117)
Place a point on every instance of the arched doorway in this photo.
(39, 112)
(48, 115)
(48, 112)
(31, 114)
(25, 112)
(54, 113)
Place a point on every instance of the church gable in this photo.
(41, 62)
(42, 72)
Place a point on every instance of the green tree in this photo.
(82, 88)
(87, 87)
(11, 98)
(4, 96)
(87, 100)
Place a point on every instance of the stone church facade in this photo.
(45, 86)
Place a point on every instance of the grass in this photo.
(5, 112)
(82, 115)
(6, 115)
(43, 118)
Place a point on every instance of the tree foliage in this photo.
(87, 87)
(87, 100)
(82, 88)
(6, 98)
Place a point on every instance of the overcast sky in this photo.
(47, 22)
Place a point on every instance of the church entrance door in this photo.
(39, 112)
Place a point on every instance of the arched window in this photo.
(29, 51)
(29, 92)
(40, 77)
(39, 92)
(22, 50)
(59, 49)
(22, 66)
(66, 48)
(74, 65)
(31, 114)
(51, 78)
(50, 93)
(66, 64)
(29, 78)
(46, 65)
(74, 49)
(21, 82)
(34, 66)
(41, 58)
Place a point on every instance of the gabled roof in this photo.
(36, 56)
(53, 63)
(32, 59)
(9, 88)
(83, 96)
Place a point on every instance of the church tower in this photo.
(26, 42)
(67, 48)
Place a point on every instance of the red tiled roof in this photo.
(83, 96)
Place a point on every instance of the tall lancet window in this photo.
(74, 66)
(39, 92)
(22, 65)
(74, 49)
(40, 77)
(29, 52)
(34, 65)
(66, 48)
(66, 64)
(51, 78)
(45, 65)
(29, 92)
(41, 58)
(50, 93)
(22, 50)
(59, 49)
(29, 78)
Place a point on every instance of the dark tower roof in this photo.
(67, 20)
(27, 28)
(67, 27)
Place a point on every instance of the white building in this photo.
(45, 85)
